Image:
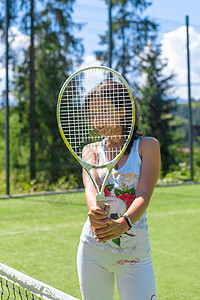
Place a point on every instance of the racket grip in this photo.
(100, 200)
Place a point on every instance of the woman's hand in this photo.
(98, 217)
(112, 230)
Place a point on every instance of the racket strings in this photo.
(96, 107)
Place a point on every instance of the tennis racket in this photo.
(95, 115)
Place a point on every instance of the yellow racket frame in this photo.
(87, 166)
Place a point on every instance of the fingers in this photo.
(98, 223)
(97, 214)
(113, 230)
(98, 217)
(97, 210)
(102, 236)
(107, 233)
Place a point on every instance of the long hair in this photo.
(118, 94)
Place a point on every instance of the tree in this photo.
(156, 105)
(56, 53)
(130, 33)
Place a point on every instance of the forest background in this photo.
(51, 49)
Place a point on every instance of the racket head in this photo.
(96, 107)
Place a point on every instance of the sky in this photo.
(170, 14)
(171, 17)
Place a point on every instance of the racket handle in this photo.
(100, 200)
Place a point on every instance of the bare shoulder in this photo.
(149, 145)
(149, 141)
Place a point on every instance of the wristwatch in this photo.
(128, 220)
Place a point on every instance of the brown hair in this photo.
(118, 94)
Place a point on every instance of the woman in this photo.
(114, 241)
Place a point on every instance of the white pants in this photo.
(97, 270)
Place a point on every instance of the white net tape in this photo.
(16, 285)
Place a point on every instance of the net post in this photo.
(110, 32)
(189, 101)
(7, 102)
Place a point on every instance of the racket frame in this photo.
(100, 197)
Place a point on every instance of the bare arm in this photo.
(150, 155)
(150, 167)
(96, 215)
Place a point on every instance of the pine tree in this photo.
(156, 105)
(56, 53)
(130, 32)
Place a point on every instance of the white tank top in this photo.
(120, 191)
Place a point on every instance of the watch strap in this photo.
(128, 220)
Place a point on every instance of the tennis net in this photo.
(16, 285)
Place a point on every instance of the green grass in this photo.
(39, 236)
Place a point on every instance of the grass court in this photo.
(39, 236)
